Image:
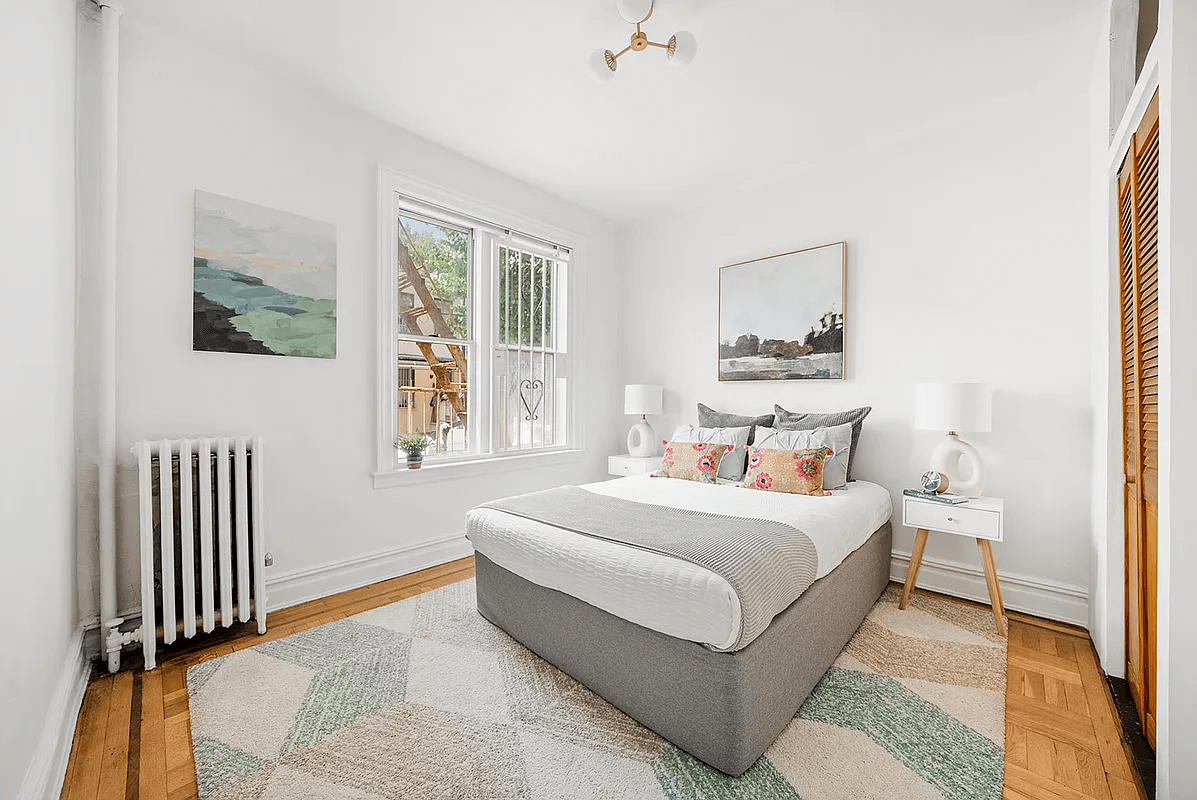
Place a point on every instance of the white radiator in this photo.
(203, 553)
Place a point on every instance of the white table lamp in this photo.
(642, 399)
(956, 407)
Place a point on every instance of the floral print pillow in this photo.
(790, 471)
(692, 461)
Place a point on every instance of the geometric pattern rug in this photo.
(426, 699)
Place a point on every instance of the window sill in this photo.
(489, 465)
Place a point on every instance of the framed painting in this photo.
(781, 318)
(265, 281)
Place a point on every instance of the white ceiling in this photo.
(779, 86)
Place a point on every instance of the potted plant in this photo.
(414, 445)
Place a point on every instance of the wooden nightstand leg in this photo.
(916, 561)
(995, 591)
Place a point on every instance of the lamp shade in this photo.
(954, 407)
(641, 398)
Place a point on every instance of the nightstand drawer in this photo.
(952, 519)
(631, 465)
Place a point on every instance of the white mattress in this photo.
(664, 593)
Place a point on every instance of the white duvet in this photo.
(664, 593)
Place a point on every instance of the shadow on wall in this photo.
(885, 445)
(1031, 428)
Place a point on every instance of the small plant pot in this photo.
(415, 460)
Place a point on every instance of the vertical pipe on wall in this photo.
(110, 13)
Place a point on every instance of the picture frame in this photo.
(783, 317)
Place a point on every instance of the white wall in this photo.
(1176, 721)
(967, 260)
(37, 226)
(190, 120)
(1106, 584)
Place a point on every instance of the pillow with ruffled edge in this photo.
(691, 461)
(808, 421)
(789, 471)
(838, 438)
(731, 466)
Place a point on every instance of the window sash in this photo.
(468, 344)
(532, 391)
(530, 387)
(434, 412)
(430, 286)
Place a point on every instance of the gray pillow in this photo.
(799, 421)
(710, 418)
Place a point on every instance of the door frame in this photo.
(1142, 630)
(1107, 607)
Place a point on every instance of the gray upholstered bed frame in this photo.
(723, 708)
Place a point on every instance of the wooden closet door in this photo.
(1138, 239)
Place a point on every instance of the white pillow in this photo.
(838, 438)
(734, 461)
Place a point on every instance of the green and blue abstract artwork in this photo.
(265, 280)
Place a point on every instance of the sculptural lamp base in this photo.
(946, 458)
(642, 440)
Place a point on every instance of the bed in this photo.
(707, 665)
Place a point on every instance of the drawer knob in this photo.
(951, 520)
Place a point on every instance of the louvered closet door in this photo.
(1138, 252)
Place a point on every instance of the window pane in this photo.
(525, 299)
(433, 394)
(434, 261)
(530, 398)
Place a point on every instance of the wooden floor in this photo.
(1063, 736)
(133, 738)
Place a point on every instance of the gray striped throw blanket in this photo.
(768, 564)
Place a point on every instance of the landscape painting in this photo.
(265, 280)
(781, 318)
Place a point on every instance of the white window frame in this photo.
(491, 225)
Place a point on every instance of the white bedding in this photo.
(664, 593)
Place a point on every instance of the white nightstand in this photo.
(980, 518)
(632, 465)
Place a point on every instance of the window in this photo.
(474, 330)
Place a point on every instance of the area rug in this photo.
(426, 699)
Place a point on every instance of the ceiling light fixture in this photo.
(680, 49)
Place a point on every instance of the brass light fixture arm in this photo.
(640, 42)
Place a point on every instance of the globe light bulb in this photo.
(634, 11)
(599, 64)
(682, 48)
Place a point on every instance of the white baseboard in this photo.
(1059, 601)
(47, 771)
(297, 587)
(339, 576)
